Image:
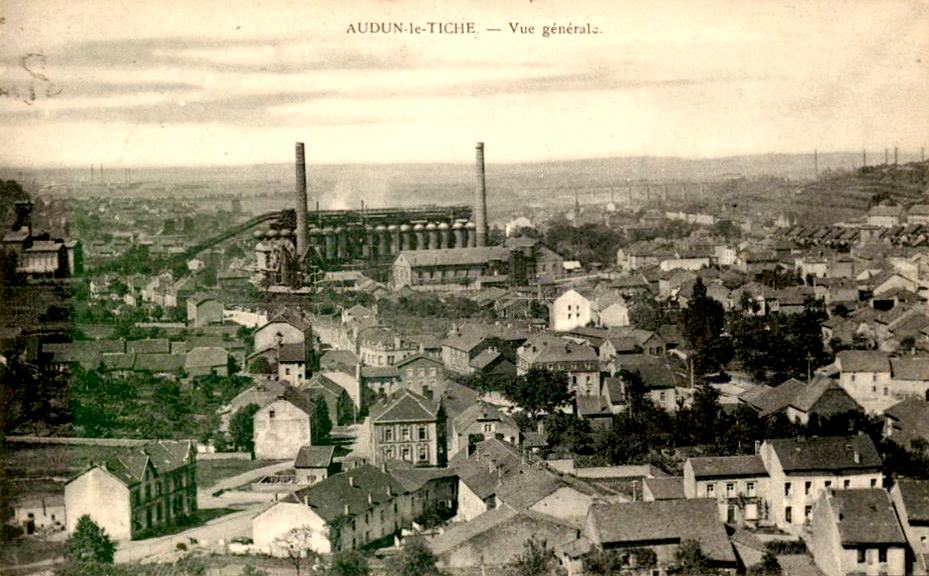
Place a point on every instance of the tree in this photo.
(348, 563)
(90, 543)
(690, 559)
(320, 423)
(702, 322)
(241, 428)
(706, 414)
(539, 391)
(261, 365)
(537, 559)
(298, 543)
(414, 559)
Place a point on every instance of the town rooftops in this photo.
(454, 257)
(206, 357)
(866, 516)
(314, 457)
(863, 361)
(295, 352)
(549, 348)
(829, 453)
(668, 521)
(728, 466)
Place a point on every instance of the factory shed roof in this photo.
(453, 256)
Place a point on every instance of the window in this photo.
(710, 489)
(488, 427)
(787, 489)
(828, 484)
(861, 555)
(730, 489)
(406, 453)
(423, 453)
(423, 433)
(873, 482)
(807, 486)
(270, 413)
(882, 555)
(807, 511)
(788, 515)
(750, 488)
(388, 434)
(404, 432)
(846, 483)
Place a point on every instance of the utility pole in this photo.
(864, 157)
(815, 163)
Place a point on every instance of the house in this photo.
(907, 421)
(577, 308)
(739, 485)
(671, 488)
(801, 401)
(136, 489)
(800, 470)
(343, 512)
(662, 386)
(547, 352)
(857, 532)
(203, 310)
(291, 363)
(421, 373)
(206, 361)
(314, 464)
(334, 388)
(864, 374)
(495, 539)
(662, 526)
(480, 469)
(464, 343)
(283, 328)
(478, 422)
(410, 427)
(283, 426)
(382, 346)
(490, 362)
(911, 501)
(909, 377)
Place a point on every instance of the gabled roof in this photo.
(206, 357)
(314, 457)
(664, 521)
(415, 357)
(542, 348)
(128, 464)
(910, 368)
(863, 361)
(865, 516)
(798, 394)
(404, 406)
(295, 352)
(728, 466)
(349, 491)
(150, 346)
(159, 362)
(479, 412)
(915, 496)
(592, 406)
(829, 453)
(482, 470)
(665, 488)
(454, 257)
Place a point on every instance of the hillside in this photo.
(849, 194)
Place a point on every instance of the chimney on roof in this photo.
(384, 467)
(346, 510)
(857, 456)
(306, 500)
(370, 498)
(390, 490)
(351, 481)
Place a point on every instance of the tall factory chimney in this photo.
(301, 201)
(480, 197)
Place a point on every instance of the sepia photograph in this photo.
(464, 288)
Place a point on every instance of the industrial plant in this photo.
(298, 247)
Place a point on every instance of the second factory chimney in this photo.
(301, 202)
(480, 197)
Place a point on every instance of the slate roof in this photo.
(663, 520)
(484, 359)
(915, 496)
(379, 372)
(314, 457)
(656, 373)
(544, 348)
(910, 368)
(149, 346)
(206, 357)
(481, 471)
(404, 406)
(117, 361)
(478, 412)
(295, 352)
(159, 362)
(866, 516)
(413, 478)
(863, 361)
(590, 406)
(351, 490)
(801, 395)
(829, 453)
(728, 466)
(129, 464)
(665, 488)
(342, 358)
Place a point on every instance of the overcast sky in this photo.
(237, 82)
